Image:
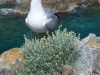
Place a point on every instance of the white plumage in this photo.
(40, 20)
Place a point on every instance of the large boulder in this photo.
(10, 61)
(89, 60)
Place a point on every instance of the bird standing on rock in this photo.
(40, 20)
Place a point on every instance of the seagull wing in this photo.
(51, 22)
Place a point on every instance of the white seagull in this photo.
(40, 20)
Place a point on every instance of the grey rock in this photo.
(5, 70)
(9, 63)
(99, 1)
(5, 1)
(89, 59)
(5, 11)
(85, 61)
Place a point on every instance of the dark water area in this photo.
(82, 21)
(11, 32)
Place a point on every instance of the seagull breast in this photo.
(39, 20)
(35, 22)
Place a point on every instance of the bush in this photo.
(47, 55)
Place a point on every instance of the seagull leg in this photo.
(40, 35)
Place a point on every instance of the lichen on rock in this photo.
(10, 61)
(89, 60)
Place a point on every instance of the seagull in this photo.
(40, 20)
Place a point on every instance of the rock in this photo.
(22, 6)
(59, 5)
(91, 40)
(56, 73)
(99, 1)
(68, 70)
(5, 1)
(89, 59)
(5, 11)
(10, 61)
(87, 63)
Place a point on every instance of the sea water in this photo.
(82, 21)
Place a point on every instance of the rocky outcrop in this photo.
(13, 58)
(10, 61)
(89, 60)
(87, 63)
(5, 1)
(22, 6)
(59, 5)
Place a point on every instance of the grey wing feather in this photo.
(49, 13)
(52, 22)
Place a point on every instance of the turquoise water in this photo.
(11, 32)
(83, 22)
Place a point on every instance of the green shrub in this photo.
(50, 54)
